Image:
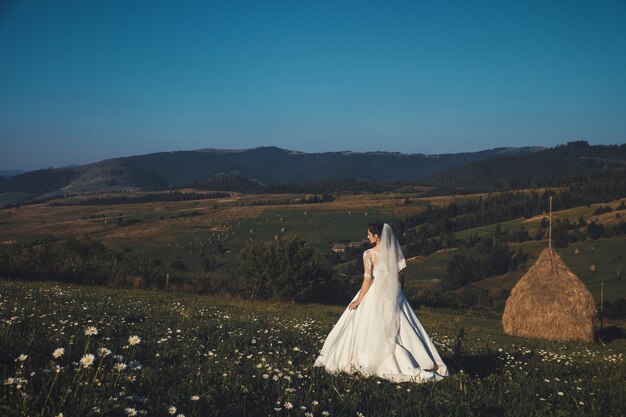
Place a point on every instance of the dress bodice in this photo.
(370, 263)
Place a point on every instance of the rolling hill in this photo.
(264, 165)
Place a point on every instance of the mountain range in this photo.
(273, 166)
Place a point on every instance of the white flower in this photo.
(9, 381)
(22, 357)
(359, 414)
(104, 351)
(120, 366)
(325, 413)
(130, 411)
(314, 403)
(172, 410)
(560, 393)
(58, 352)
(133, 340)
(90, 331)
(180, 415)
(287, 405)
(59, 415)
(87, 360)
(194, 398)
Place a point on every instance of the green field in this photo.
(218, 357)
(167, 232)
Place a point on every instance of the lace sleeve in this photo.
(367, 264)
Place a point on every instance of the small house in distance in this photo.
(338, 248)
(550, 302)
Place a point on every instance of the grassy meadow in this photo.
(89, 351)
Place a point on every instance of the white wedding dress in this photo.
(359, 340)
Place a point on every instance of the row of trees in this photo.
(145, 198)
(312, 199)
(284, 269)
(496, 208)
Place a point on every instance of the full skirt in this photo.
(414, 358)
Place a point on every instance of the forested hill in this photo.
(561, 165)
(265, 165)
(270, 168)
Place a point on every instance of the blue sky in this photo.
(82, 81)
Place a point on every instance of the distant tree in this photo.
(209, 264)
(461, 271)
(284, 269)
(595, 230)
(179, 266)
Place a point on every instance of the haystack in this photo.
(550, 302)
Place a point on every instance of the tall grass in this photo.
(159, 354)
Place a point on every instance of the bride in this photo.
(379, 333)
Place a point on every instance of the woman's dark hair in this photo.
(376, 228)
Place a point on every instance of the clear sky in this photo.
(86, 80)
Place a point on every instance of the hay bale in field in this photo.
(550, 302)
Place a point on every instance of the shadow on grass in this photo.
(610, 334)
(478, 365)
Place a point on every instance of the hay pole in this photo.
(553, 265)
(550, 229)
(601, 303)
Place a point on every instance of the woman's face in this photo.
(371, 237)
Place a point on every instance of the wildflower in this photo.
(22, 357)
(287, 405)
(133, 340)
(104, 351)
(59, 415)
(308, 414)
(91, 331)
(130, 411)
(194, 398)
(325, 413)
(180, 415)
(120, 366)
(302, 408)
(560, 393)
(314, 403)
(58, 352)
(9, 381)
(87, 360)
(172, 410)
(359, 414)
(265, 376)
